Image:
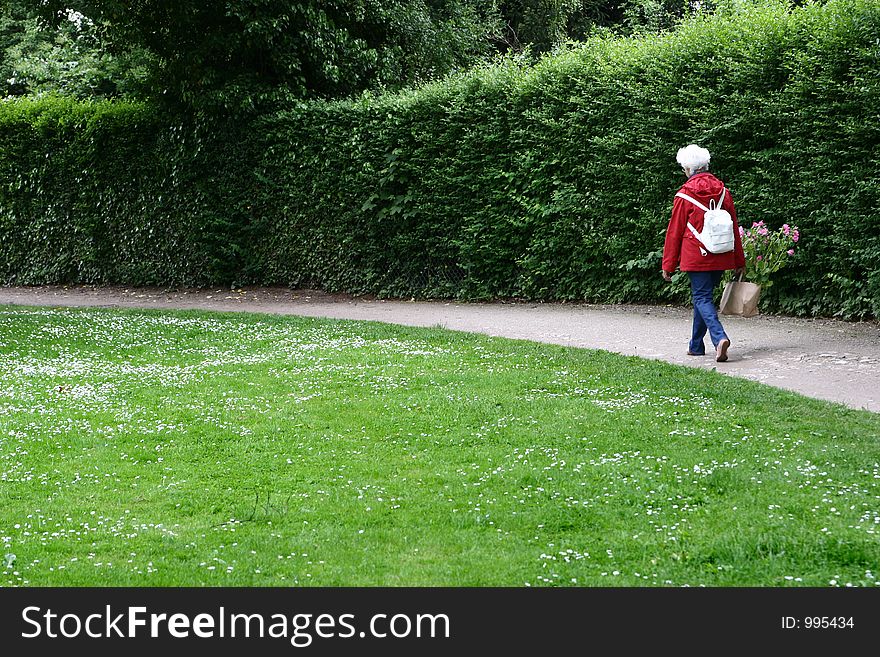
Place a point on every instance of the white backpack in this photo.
(717, 233)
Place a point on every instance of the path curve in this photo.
(828, 359)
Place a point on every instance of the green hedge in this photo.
(556, 182)
(551, 182)
(110, 192)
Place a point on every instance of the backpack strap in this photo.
(697, 237)
(693, 200)
(700, 205)
(721, 200)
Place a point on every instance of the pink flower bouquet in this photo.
(767, 251)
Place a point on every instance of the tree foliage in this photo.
(73, 57)
(542, 25)
(237, 54)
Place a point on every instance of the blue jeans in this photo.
(703, 285)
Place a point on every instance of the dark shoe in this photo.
(694, 353)
(721, 351)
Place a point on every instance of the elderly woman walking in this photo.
(683, 248)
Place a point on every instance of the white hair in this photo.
(693, 158)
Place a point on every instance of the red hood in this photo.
(703, 187)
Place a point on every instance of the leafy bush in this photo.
(109, 192)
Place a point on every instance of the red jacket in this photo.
(681, 248)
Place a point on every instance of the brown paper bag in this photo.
(740, 298)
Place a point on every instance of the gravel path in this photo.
(827, 359)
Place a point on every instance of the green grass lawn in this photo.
(159, 449)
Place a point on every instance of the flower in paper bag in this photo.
(767, 251)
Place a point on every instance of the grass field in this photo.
(157, 449)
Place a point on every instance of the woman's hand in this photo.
(667, 276)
